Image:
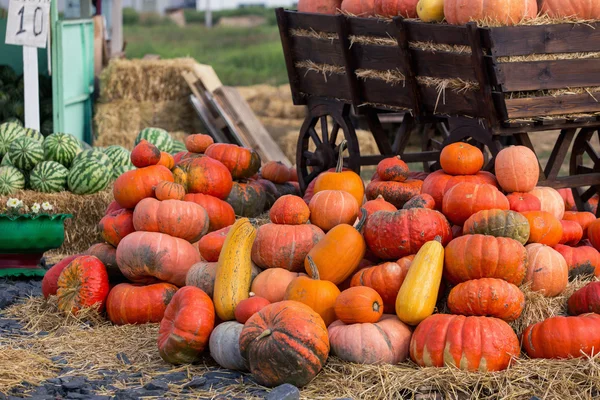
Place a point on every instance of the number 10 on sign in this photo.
(28, 22)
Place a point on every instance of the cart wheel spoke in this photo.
(334, 133)
(324, 130)
(314, 136)
(312, 175)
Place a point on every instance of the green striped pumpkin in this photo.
(93, 154)
(33, 134)
(5, 161)
(177, 147)
(158, 137)
(9, 131)
(62, 148)
(11, 180)
(25, 153)
(88, 177)
(48, 177)
(120, 170)
(119, 155)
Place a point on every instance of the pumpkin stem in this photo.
(265, 333)
(361, 221)
(376, 306)
(438, 238)
(314, 271)
(340, 162)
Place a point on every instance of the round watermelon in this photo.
(48, 177)
(177, 147)
(11, 180)
(158, 137)
(62, 148)
(119, 155)
(33, 134)
(9, 131)
(88, 176)
(25, 153)
(5, 161)
(93, 154)
(120, 170)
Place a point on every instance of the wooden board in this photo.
(552, 105)
(208, 76)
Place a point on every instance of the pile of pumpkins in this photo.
(457, 12)
(348, 270)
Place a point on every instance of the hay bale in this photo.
(145, 80)
(81, 231)
(272, 101)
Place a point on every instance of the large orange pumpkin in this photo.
(392, 169)
(240, 161)
(543, 228)
(145, 154)
(461, 159)
(396, 193)
(50, 280)
(181, 219)
(383, 342)
(547, 271)
(198, 143)
(185, 329)
(583, 218)
(82, 284)
(571, 233)
(166, 190)
(521, 202)
(581, 9)
(505, 12)
(481, 256)
(210, 245)
(360, 8)
(220, 213)
(583, 260)
(488, 297)
(136, 304)
(469, 343)
(133, 186)
(285, 342)
(550, 200)
(394, 8)
(145, 257)
(275, 172)
(206, 175)
(563, 337)
(329, 208)
(465, 199)
(116, 225)
(358, 304)
(517, 167)
(438, 183)
(319, 6)
(585, 300)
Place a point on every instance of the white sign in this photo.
(28, 23)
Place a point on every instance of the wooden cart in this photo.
(464, 82)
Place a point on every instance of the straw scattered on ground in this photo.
(19, 365)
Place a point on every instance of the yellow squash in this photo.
(419, 291)
(234, 271)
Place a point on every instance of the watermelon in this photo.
(119, 155)
(11, 180)
(15, 120)
(158, 137)
(25, 153)
(177, 147)
(9, 131)
(49, 177)
(88, 176)
(5, 161)
(120, 170)
(84, 145)
(35, 135)
(62, 148)
(93, 154)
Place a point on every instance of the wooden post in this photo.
(30, 77)
(116, 37)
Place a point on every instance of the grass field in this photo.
(240, 56)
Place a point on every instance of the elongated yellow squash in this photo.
(234, 271)
(419, 291)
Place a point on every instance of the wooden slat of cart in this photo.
(552, 105)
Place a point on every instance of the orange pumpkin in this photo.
(517, 167)
(379, 204)
(550, 200)
(438, 183)
(275, 172)
(544, 228)
(571, 233)
(487, 297)
(359, 8)
(521, 202)
(461, 159)
(210, 245)
(392, 169)
(394, 8)
(347, 181)
(273, 282)
(133, 186)
(593, 232)
(396, 193)
(198, 143)
(166, 160)
(206, 175)
(504, 12)
(547, 270)
(359, 304)
(220, 213)
(241, 162)
(136, 304)
(329, 208)
(145, 154)
(583, 218)
(583, 260)
(166, 190)
(319, 6)
(248, 307)
(116, 225)
(582, 9)
(465, 199)
(289, 210)
(422, 200)
(82, 284)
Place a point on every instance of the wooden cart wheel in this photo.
(317, 153)
(585, 159)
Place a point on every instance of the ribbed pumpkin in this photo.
(438, 183)
(584, 260)
(544, 228)
(186, 327)
(461, 159)
(499, 223)
(136, 304)
(470, 343)
(50, 280)
(241, 162)
(210, 245)
(571, 233)
(329, 208)
(206, 175)
(386, 279)
(550, 200)
(487, 297)
(547, 271)
(422, 200)
(359, 304)
(220, 213)
(284, 246)
(383, 342)
(392, 169)
(542, 340)
(585, 300)
(393, 235)
(378, 204)
(272, 283)
(145, 257)
(521, 202)
(481, 256)
(133, 186)
(320, 295)
(247, 199)
(394, 8)
(82, 284)
(593, 233)
(116, 225)
(359, 8)
(198, 143)
(276, 172)
(181, 219)
(465, 199)
(582, 9)
(347, 181)
(289, 210)
(145, 154)
(583, 218)
(396, 193)
(517, 167)
(166, 190)
(285, 342)
(504, 12)
(250, 306)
